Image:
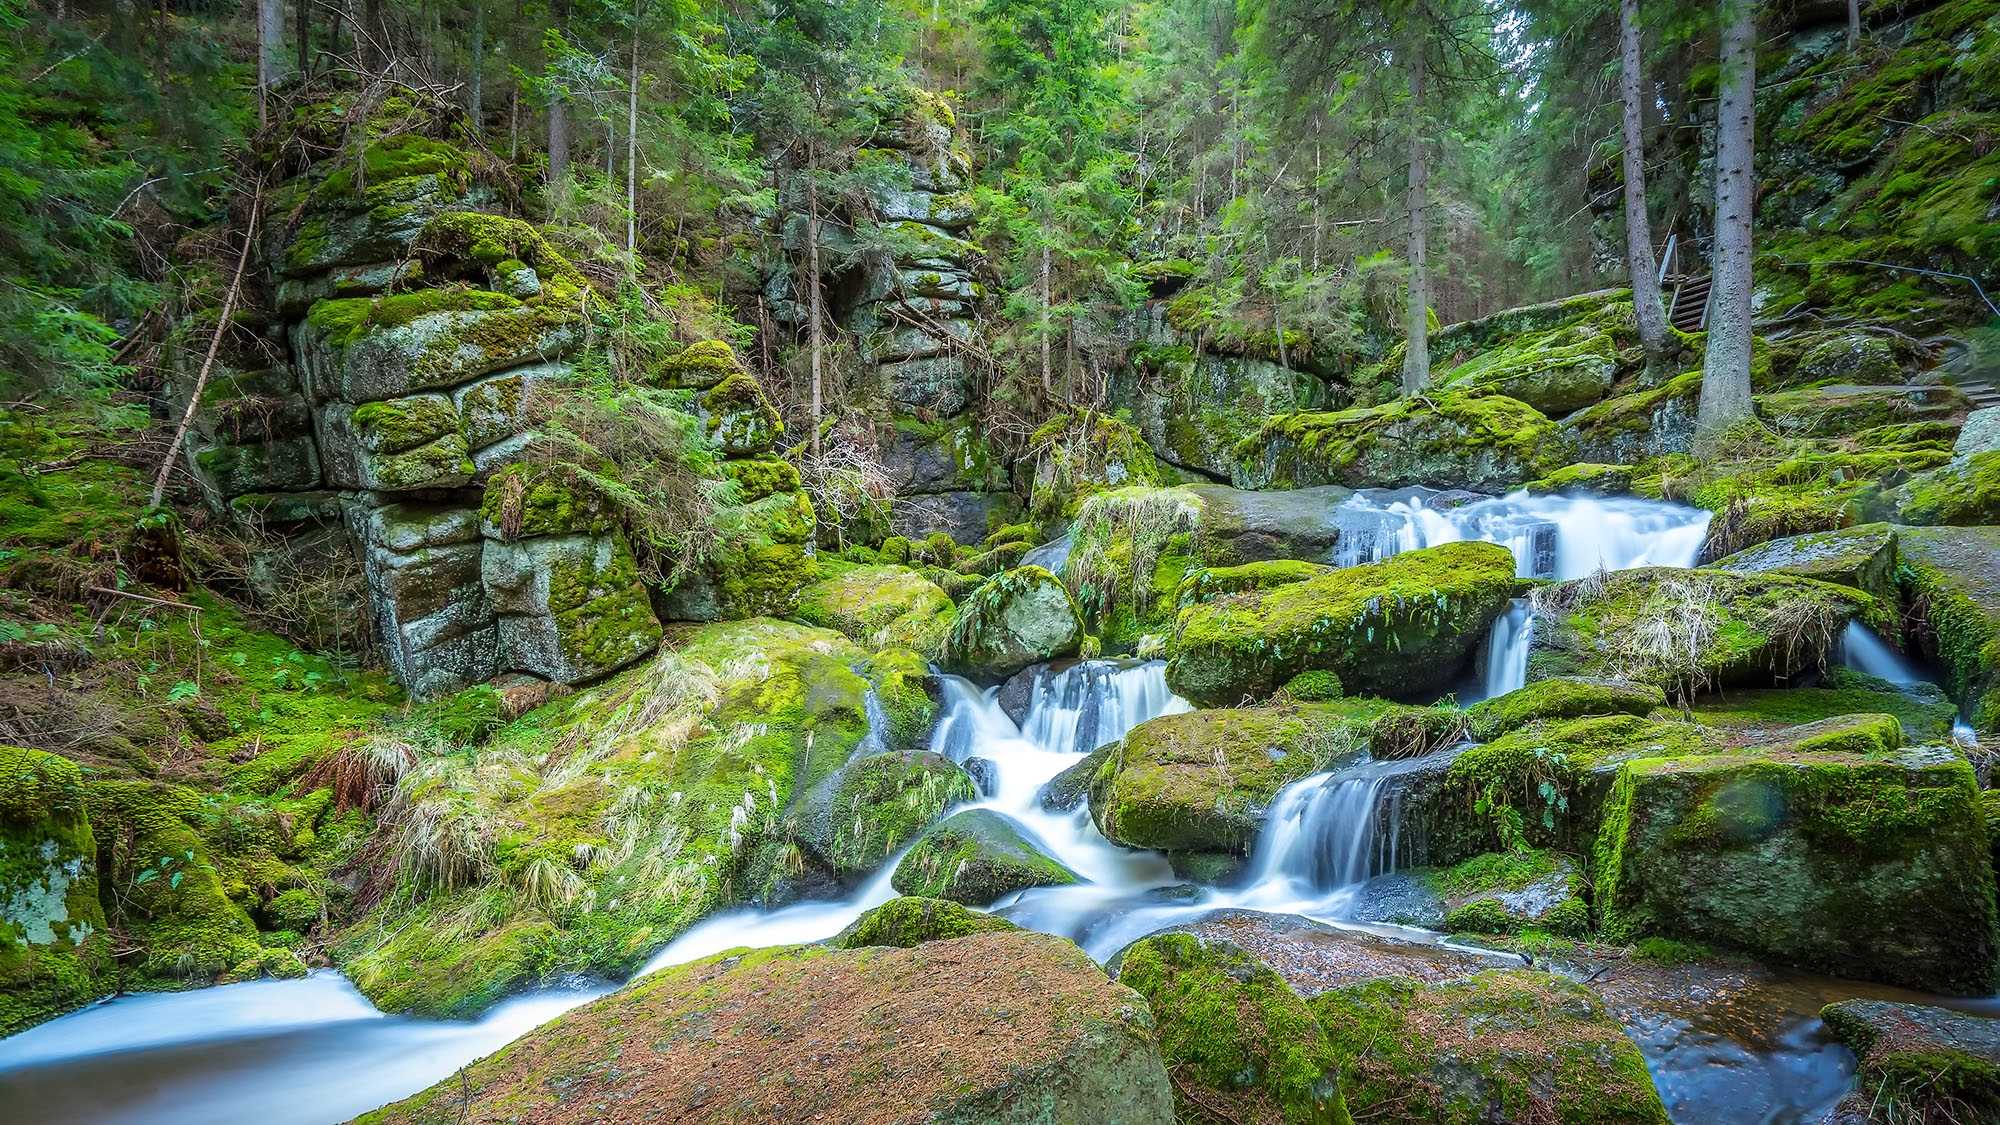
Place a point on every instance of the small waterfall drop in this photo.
(1868, 654)
(1087, 705)
(1507, 649)
(1551, 536)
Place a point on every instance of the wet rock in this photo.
(1863, 557)
(1402, 899)
(1018, 692)
(1071, 787)
(963, 515)
(866, 810)
(1011, 1027)
(1314, 957)
(1918, 1063)
(55, 955)
(975, 857)
(1954, 574)
(1237, 1039)
(1238, 526)
(1689, 631)
(911, 921)
(984, 774)
(1394, 628)
(1013, 620)
(1871, 867)
(1630, 428)
(1507, 892)
(762, 563)
(1192, 407)
(1563, 697)
(880, 606)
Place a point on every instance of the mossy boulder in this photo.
(1952, 576)
(1014, 619)
(1562, 697)
(1585, 480)
(872, 807)
(1555, 373)
(1923, 710)
(364, 349)
(975, 857)
(699, 366)
(55, 955)
(1871, 867)
(1863, 557)
(880, 606)
(740, 420)
(910, 921)
(571, 607)
(1238, 1041)
(1688, 631)
(1398, 627)
(762, 563)
(1017, 1027)
(1485, 442)
(1839, 409)
(1629, 428)
(1961, 493)
(1500, 1045)
(1509, 892)
(1918, 1063)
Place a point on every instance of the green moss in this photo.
(1924, 718)
(1965, 494)
(881, 606)
(1393, 627)
(974, 857)
(55, 955)
(1318, 686)
(1586, 480)
(1232, 1029)
(910, 921)
(903, 683)
(1565, 697)
(1951, 579)
(348, 319)
(1450, 439)
(762, 477)
(398, 157)
(885, 801)
(1014, 619)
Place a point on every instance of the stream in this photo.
(1722, 1051)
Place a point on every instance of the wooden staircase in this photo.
(1981, 393)
(1688, 311)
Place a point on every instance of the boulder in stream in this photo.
(913, 920)
(1866, 866)
(1953, 574)
(974, 857)
(1562, 697)
(880, 606)
(1399, 627)
(1006, 1028)
(1918, 1063)
(1863, 557)
(1012, 620)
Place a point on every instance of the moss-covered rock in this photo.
(911, 921)
(1397, 627)
(1961, 493)
(1872, 867)
(1686, 631)
(876, 805)
(740, 420)
(880, 606)
(1563, 697)
(1014, 619)
(1952, 578)
(1497, 1045)
(763, 561)
(1486, 442)
(1924, 712)
(974, 857)
(1508, 892)
(1585, 480)
(1918, 1063)
(1863, 557)
(1238, 1041)
(1018, 1026)
(699, 366)
(1629, 428)
(1555, 373)
(55, 955)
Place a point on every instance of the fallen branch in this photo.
(214, 346)
(143, 598)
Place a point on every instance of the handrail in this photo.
(1667, 258)
(1978, 288)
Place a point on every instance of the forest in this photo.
(1059, 561)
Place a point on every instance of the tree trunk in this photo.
(304, 17)
(1048, 381)
(368, 38)
(1725, 381)
(1853, 26)
(812, 281)
(1652, 317)
(270, 54)
(632, 154)
(558, 138)
(1417, 346)
(474, 85)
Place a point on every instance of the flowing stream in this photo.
(314, 1050)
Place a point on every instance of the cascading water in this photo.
(1867, 653)
(1551, 536)
(1507, 649)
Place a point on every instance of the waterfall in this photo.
(1551, 536)
(1867, 653)
(1324, 834)
(1087, 705)
(1507, 649)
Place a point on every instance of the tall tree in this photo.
(1725, 380)
(1416, 333)
(1639, 261)
(270, 53)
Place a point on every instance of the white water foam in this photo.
(1551, 536)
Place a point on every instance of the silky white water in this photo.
(1507, 649)
(1551, 536)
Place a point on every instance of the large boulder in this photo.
(1963, 492)
(1555, 373)
(1508, 892)
(1867, 866)
(882, 606)
(1688, 631)
(1863, 557)
(1004, 1028)
(1453, 439)
(1918, 1063)
(857, 817)
(1399, 627)
(1239, 1042)
(1953, 575)
(762, 563)
(1014, 619)
(55, 955)
(975, 857)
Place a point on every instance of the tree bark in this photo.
(558, 138)
(368, 38)
(304, 17)
(270, 54)
(1853, 26)
(1651, 315)
(1417, 346)
(1725, 381)
(632, 154)
(214, 346)
(1048, 380)
(812, 281)
(474, 87)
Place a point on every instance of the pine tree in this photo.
(1725, 380)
